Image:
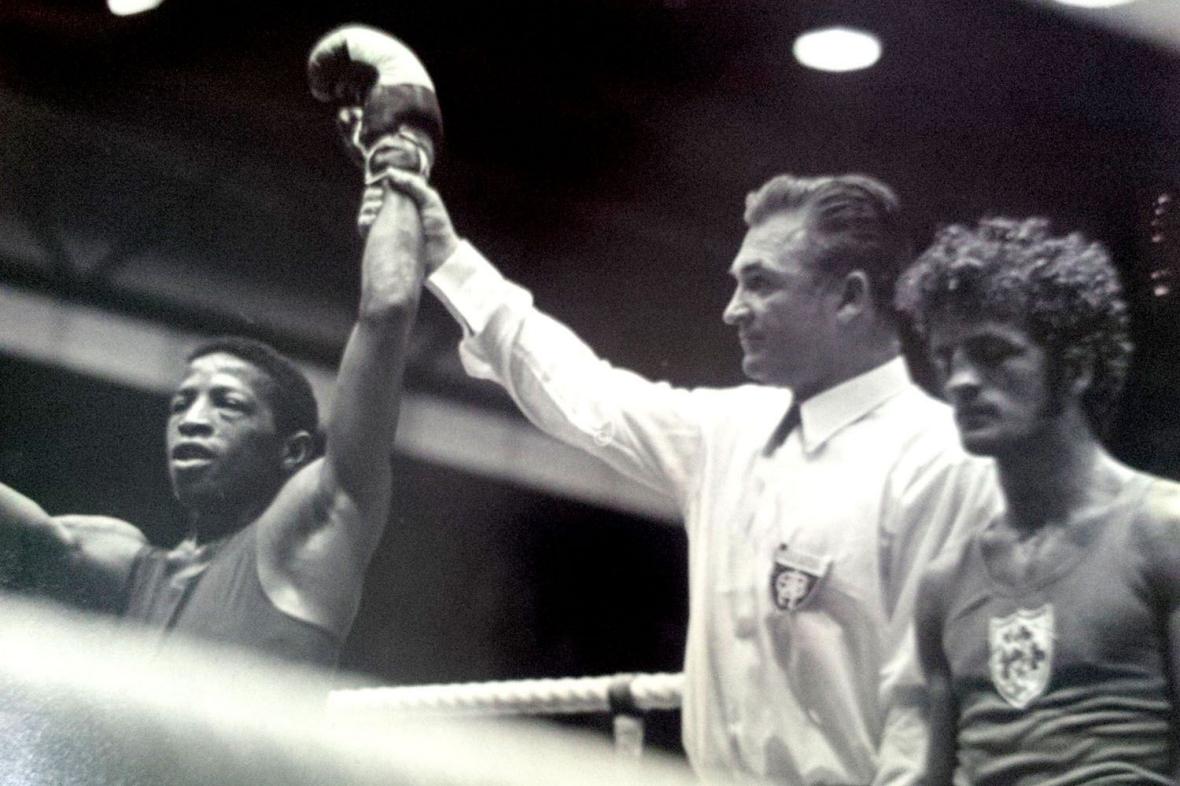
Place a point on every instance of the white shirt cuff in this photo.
(472, 289)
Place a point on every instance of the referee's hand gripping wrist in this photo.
(439, 240)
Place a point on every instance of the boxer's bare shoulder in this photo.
(1163, 500)
(1158, 535)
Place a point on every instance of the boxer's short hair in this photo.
(289, 393)
(853, 223)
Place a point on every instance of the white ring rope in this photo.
(563, 696)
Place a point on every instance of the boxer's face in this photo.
(782, 307)
(223, 448)
(997, 380)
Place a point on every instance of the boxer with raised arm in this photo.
(279, 537)
(810, 497)
(1051, 637)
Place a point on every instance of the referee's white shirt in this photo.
(790, 681)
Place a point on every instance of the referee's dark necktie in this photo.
(789, 423)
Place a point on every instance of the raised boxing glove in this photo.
(361, 68)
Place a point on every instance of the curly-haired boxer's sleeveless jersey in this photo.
(224, 602)
(1064, 680)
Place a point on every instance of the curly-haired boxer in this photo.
(1051, 639)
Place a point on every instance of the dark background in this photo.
(173, 167)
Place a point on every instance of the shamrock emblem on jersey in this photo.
(1021, 654)
(795, 576)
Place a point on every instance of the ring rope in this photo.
(562, 696)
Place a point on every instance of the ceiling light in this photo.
(837, 49)
(129, 7)
(1094, 3)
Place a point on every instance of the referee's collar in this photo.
(826, 414)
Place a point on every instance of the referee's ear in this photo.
(856, 295)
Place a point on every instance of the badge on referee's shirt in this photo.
(795, 577)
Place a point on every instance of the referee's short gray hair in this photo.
(853, 223)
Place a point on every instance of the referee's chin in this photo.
(756, 371)
(772, 377)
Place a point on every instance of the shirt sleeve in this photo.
(650, 431)
(904, 739)
(938, 508)
(929, 510)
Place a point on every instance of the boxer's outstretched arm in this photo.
(364, 412)
(317, 537)
(83, 559)
(27, 533)
(319, 534)
(21, 516)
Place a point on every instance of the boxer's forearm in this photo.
(364, 414)
(22, 517)
(33, 546)
(391, 118)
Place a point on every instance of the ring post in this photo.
(626, 717)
